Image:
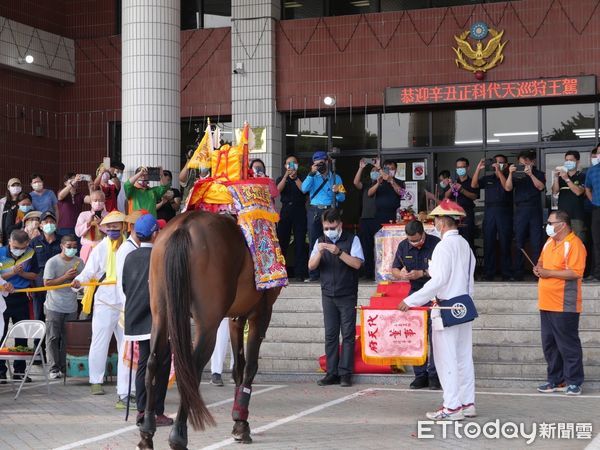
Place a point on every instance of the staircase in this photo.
(506, 336)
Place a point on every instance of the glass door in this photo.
(416, 172)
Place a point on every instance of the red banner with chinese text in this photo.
(390, 336)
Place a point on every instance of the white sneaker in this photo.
(446, 414)
(469, 410)
(55, 375)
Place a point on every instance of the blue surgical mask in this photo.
(333, 235)
(550, 230)
(374, 176)
(443, 184)
(49, 228)
(113, 234)
(25, 208)
(70, 252)
(570, 165)
(461, 171)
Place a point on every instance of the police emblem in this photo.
(479, 59)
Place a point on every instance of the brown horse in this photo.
(201, 267)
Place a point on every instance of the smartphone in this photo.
(106, 162)
(292, 166)
(520, 172)
(153, 173)
(85, 177)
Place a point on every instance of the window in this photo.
(356, 132)
(399, 5)
(302, 9)
(512, 125)
(205, 14)
(348, 7)
(306, 135)
(457, 127)
(401, 130)
(568, 122)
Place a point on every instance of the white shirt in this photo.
(449, 271)
(356, 249)
(125, 249)
(95, 267)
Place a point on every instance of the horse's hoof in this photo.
(145, 441)
(241, 432)
(176, 446)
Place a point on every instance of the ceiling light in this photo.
(360, 3)
(517, 133)
(475, 141)
(292, 5)
(28, 59)
(329, 101)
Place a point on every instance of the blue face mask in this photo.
(461, 171)
(570, 165)
(113, 234)
(70, 252)
(25, 208)
(374, 176)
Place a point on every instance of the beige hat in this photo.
(32, 215)
(113, 217)
(13, 181)
(448, 208)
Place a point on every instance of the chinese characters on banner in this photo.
(390, 336)
(492, 91)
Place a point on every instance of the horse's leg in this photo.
(202, 352)
(236, 333)
(258, 324)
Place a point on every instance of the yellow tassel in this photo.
(88, 296)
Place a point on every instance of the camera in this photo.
(519, 174)
(489, 162)
(322, 167)
(153, 173)
(87, 178)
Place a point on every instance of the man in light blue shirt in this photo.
(323, 191)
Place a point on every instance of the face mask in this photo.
(333, 235)
(37, 186)
(418, 244)
(97, 206)
(438, 230)
(461, 171)
(443, 184)
(259, 171)
(119, 176)
(14, 190)
(374, 176)
(70, 252)
(570, 165)
(113, 234)
(501, 166)
(18, 251)
(391, 173)
(49, 228)
(292, 166)
(25, 208)
(144, 183)
(595, 161)
(550, 230)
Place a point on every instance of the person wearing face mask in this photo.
(592, 192)
(139, 193)
(70, 204)
(323, 191)
(528, 214)
(367, 225)
(45, 246)
(462, 193)
(42, 199)
(8, 208)
(170, 203)
(569, 185)
(560, 270)
(451, 270)
(387, 192)
(88, 224)
(339, 256)
(109, 183)
(19, 267)
(588, 209)
(108, 304)
(411, 264)
(257, 166)
(443, 186)
(31, 224)
(61, 304)
(292, 217)
(497, 218)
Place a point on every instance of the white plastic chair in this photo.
(26, 329)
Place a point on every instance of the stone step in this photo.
(529, 320)
(508, 336)
(525, 354)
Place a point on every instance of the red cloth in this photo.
(110, 194)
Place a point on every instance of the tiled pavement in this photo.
(287, 416)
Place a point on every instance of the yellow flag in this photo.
(201, 157)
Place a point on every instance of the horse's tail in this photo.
(179, 295)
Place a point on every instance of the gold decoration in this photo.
(479, 59)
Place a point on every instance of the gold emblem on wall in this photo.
(486, 55)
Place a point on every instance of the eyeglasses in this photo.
(554, 223)
(329, 228)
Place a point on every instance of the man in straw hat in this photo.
(451, 270)
(102, 265)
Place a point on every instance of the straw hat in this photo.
(448, 208)
(32, 215)
(113, 217)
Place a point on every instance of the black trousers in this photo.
(162, 379)
(292, 219)
(17, 308)
(596, 240)
(339, 315)
(527, 223)
(366, 233)
(562, 347)
(467, 228)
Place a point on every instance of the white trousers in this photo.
(221, 345)
(105, 323)
(453, 354)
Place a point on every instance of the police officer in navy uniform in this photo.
(322, 190)
(498, 216)
(527, 184)
(462, 193)
(411, 264)
(292, 217)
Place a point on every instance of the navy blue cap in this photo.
(319, 155)
(145, 225)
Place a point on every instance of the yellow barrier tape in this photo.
(60, 286)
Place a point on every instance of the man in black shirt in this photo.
(292, 217)
(462, 193)
(569, 184)
(170, 202)
(387, 192)
(411, 264)
(367, 224)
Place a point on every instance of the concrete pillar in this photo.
(253, 91)
(151, 131)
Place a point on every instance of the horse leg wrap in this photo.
(240, 403)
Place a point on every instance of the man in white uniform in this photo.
(451, 270)
(108, 305)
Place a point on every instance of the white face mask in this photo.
(333, 235)
(37, 186)
(14, 190)
(97, 206)
(18, 251)
(595, 161)
(550, 230)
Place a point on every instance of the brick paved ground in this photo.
(290, 416)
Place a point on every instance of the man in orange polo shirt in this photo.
(560, 270)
